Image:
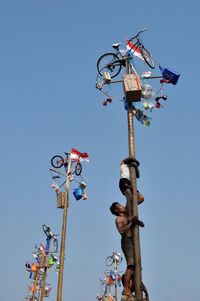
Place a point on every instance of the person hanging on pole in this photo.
(125, 183)
(124, 224)
(132, 287)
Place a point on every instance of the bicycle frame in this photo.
(58, 161)
(136, 45)
(133, 47)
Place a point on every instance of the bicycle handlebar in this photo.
(144, 29)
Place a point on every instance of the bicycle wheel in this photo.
(78, 169)
(109, 62)
(147, 57)
(109, 261)
(55, 244)
(57, 161)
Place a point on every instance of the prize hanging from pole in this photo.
(138, 89)
(60, 170)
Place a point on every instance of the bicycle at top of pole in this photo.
(115, 258)
(113, 62)
(58, 161)
(50, 235)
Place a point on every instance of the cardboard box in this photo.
(61, 199)
(132, 87)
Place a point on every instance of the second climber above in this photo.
(125, 183)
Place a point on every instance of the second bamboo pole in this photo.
(63, 238)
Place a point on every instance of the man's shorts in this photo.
(127, 248)
(123, 184)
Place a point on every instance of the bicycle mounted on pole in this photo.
(58, 161)
(113, 62)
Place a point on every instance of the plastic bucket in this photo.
(78, 193)
(170, 75)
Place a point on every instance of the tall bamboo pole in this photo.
(134, 205)
(63, 238)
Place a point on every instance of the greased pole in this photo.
(63, 238)
(134, 205)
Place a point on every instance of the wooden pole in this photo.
(115, 270)
(45, 271)
(63, 238)
(43, 284)
(134, 205)
(37, 276)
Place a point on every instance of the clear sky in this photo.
(49, 104)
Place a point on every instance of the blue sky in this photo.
(49, 104)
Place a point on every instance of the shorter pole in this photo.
(35, 284)
(45, 271)
(63, 238)
(43, 284)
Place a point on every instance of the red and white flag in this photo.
(76, 155)
(42, 248)
(134, 49)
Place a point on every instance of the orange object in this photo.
(108, 280)
(34, 267)
(33, 288)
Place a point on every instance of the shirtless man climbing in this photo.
(124, 224)
(125, 183)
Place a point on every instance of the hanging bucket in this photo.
(170, 75)
(78, 193)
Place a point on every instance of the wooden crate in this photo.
(132, 87)
(61, 199)
(44, 262)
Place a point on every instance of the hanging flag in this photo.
(76, 155)
(134, 49)
(42, 248)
